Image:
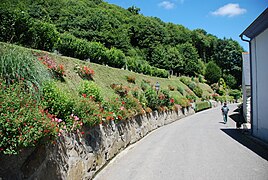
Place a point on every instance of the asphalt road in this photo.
(199, 147)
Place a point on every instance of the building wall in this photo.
(259, 57)
(246, 86)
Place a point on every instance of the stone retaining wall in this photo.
(76, 156)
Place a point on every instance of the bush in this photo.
(152, 98)
(56, 101)
(145, 85)
(199, 106)
(192, 85)
(115, 58)
(182, 101)
(212, 72)
(91, 90)
(131, 79)
(84, 72)
(17, 65)
(23, 122)
(198, 91)
(236, 94)
(82, 49)
(43, 35)
(87, 111)
(185, 80)
(191, 97)
(121, 90)
(171, 88)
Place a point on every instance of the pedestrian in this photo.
(224, 111)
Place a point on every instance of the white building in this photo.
(246, 87)
(257, 33)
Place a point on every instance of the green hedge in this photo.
(199, 106)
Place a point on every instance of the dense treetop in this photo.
(134, 38)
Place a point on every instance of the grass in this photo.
(105, 76)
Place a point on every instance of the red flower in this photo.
(172, 100)
(123, 102)
(82, 132)
(84, 95)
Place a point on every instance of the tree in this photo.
(134, 10)
(212, 73)
(190, 59)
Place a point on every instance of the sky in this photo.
(222, 18)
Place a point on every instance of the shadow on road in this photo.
(245, 139)
(248, 142)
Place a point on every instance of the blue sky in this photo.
(222, 18)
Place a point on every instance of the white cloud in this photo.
(167, 5)
(229, 10)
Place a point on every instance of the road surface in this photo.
(199, 147)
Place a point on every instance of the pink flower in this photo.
(122, 108)
(81, 124)
(59, 120)
(59, 134)
(76, 118)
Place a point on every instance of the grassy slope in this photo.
(105, 76)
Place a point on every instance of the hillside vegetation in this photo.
(87, 62)
(108, 34)
(47, 94)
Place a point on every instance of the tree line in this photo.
(120, 35)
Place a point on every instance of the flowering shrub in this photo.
(23, 122)
(91, 90)
(89, 112)
(57, 70)
(84, 72)
(121, 90)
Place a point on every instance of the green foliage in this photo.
(90, 89)
(88, 111)
(56, 101)
(191, 97)
(212, 73)
(181, 90)
(199, 106)
(182, 101)
(23, 122)
(185, 80)
(44, 25)
(152, 98)
(230, 80)
(236, 94)
(198, 91)
(116, 58)
(145, 85)
(192, 85)
(18, 65)
(69, 45)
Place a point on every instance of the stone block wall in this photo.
(77, 156)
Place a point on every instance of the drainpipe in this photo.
(251, 98)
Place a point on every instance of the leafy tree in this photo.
(212, 73)
(190, 57)
(134, 10)
(230, 80)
